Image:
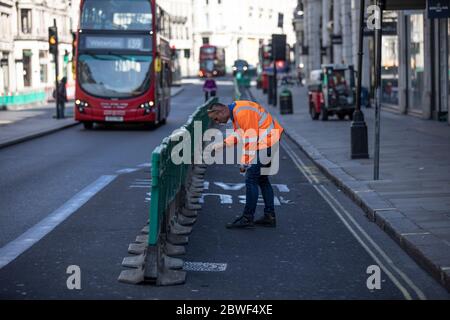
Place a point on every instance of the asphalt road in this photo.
(321, 248)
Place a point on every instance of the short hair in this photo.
(216, 106)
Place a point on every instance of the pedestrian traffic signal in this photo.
(53, 40)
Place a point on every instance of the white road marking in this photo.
(230, 186)
(204, 266)
(126, 170)
(13, 249)
(145, 165)
(328, 197)
(415, 233)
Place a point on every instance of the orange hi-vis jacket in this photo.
(254, 127)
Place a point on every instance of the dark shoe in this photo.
(267, 220)
(241, 223)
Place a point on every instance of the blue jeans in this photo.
(253, 179)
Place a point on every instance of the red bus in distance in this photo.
(123, 62)
(212, 60)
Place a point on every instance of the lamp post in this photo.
(358, 129)
(378, 93)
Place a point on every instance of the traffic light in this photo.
(53, 40)
(279, 47)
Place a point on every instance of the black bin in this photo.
(286, 102)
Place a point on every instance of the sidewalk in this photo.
(20, 125)
(32, 121)
(411, 201)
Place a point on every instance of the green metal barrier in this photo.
(168, 178)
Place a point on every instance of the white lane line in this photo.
(145, 165)
(13, 249)
(300, 165)
(126, 170)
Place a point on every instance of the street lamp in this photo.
(358, 131)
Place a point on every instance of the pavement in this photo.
(31, 121)
(411, 200)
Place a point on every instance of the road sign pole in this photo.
(55, 55)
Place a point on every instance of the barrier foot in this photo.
(171, 277)
(185, 221)
(172, 263)
(189, 213)
(134, 262)
(142, 238)
(177, 239)
(174, 250)
(132, 276)
(178, 229)
(137, 248)
(192, 206)
(145, 230)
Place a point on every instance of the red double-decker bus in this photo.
(123, 62)
(212, 60)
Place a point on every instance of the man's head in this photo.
(219, 113)
(64, 80)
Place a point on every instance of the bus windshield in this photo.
(208, 50)
(116, 15)
(114, 76)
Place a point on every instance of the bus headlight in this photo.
(81, 105)
(147, 105)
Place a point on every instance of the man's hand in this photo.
(243, 168)
(217, 146)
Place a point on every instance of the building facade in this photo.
(28, 70)
(181, 35)
(240, 26)
(7, 18)
(415, 52)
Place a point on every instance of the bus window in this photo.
(114, 76)
(116, 15)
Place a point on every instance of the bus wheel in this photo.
(163, 121)
(88, 125)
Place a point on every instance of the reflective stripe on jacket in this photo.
(254, 127)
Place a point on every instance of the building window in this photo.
(5, 26)
(4, 71)
(26, 67)
(389, 60)
(43, 70)
(25, 18)
(416, 62)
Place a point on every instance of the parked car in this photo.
(331, 91)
